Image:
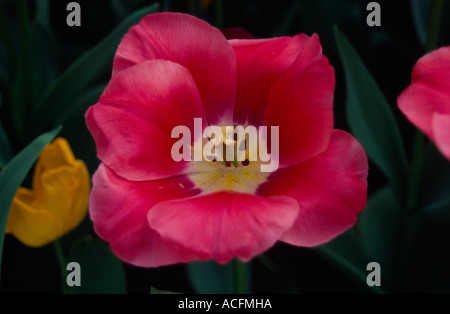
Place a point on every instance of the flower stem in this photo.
(59, 252)
(239, 277)
(415, 171)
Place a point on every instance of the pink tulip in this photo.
(172, 68)
(426, 102)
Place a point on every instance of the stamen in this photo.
(235, 174)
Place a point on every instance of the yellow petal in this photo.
(64, 192)
(32, 226)
(54, 155)
(58, 201)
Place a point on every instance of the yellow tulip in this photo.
(58, 200)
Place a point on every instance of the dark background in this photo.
(389, 52)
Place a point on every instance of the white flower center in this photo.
(234, 171)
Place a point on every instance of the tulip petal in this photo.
(260, 63)
(56, 154)
(64, 192)
(33, 227)
(301, 104)
(441, 130)
(58, 201)
(119, 209)
(428, 92)
(330, 190)
(421, 100)
(224, 225)
(194, 44)
(426, 102)
(133, 121)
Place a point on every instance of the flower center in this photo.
(230, 161)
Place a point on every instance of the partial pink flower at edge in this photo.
(172, 68)
(426, 102)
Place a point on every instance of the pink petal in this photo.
(119, 210)
(133, 121)
(429, 90)
(441, 130)
(330, 190)
(224, 225)
(433, 62)
(301, 104)
(260, 63)
(193, 43)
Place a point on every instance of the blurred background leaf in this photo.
(153, 290)
(420, 11)
(5, 147)
(378, 229)
(13, 174)
(423, 266)
(210, 277)
(101, 271)
(85, 71)
(347, 254)
(22, 92)
(75, 130)
(434, 186)
(370, 117)
(45, 51)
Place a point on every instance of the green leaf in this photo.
(420, 10)
(5, 77)
(43, 65)
(347, 254)
(5, 148)
(379, 225)
(13, 174)
(292, 12)
(210, 277)
(345, 251)
(153, 290)
(42, 15)
(36, 67)
(101, 271)
(370, 118)
(439, 208)
(75, 130)
(82, 103)
(435, 181)
(22, 89)
(7, 39)
(118, 8)
(86, 70)
(284, 282)
(20, 99)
